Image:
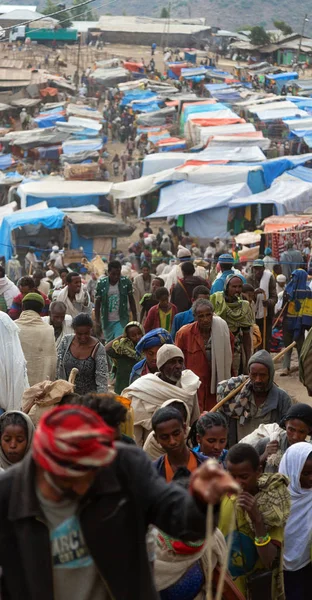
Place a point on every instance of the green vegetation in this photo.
(164, 13)
(283, 27)
(51, 8)
(259, 37)
(82, 13)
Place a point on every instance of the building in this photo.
(7, 8)
(145, 31)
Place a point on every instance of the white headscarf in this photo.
(298, 530)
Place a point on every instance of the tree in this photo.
(164, 13)
(63, 17)
(283, 27)
(259, 37)
(81, 13)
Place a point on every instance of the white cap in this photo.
(55, 248)
(167, 352)
(281, 279)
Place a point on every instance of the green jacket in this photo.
(125, 290)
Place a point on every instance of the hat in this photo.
(268, 251)
(34, 297)
(258, 263)
(55, 248)
(183, 252)
(49, 273)
(226, 259)
(281, 279)
(15, 256)
(167, 352)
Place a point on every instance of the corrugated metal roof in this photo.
(7, 8)
(84, 26)
(21, 15)
(147, 25)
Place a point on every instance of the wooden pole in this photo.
(241, 385)
(265, 314)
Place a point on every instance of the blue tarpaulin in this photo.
(72, 147)
(49, 120)
(51, 218)
(145, 107)
(137, 95)
(6, 161)
(301, 173)
(282, 76)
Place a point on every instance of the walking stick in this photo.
(265, 313)
(72, 376)
(280, 315)
(241, 385)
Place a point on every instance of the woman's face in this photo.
(150, 356)
(134, 334)
(213, 442)
(306, 475)
(14, 442)
(83, 334)
(235, 287)
(297, 431)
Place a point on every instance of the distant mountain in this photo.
(226, 14)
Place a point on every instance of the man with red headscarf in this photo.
(76, 512)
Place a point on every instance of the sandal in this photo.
(285, 373)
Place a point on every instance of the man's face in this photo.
(258, 271)
(171, 436)
(172, 369)
(114, 276)
(245, 475)
(235, 287)
(25, 289)
(259, 377)
(204, 316)
(73, 487)
(163, 301)
(297, 431)
(75, 285)
(57, 317)
(63, 277)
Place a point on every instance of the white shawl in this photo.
(81, 298)
(298, 529)
(264, 285)
(149, 392)
(8, 290)
(221, 352)
(13, 372)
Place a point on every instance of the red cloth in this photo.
(16, 308)
(153, 320)
(72, 439)
(190, 341)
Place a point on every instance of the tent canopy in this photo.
(286, 195)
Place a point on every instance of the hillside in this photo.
(227, 14)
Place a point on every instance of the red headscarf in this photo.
(70, 440)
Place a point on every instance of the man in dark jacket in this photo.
(182, 291)
(69, 528)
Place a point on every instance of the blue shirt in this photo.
(218, 284)
(183, 318)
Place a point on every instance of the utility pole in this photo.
(168, 25)
(78, 62)
(305, 20)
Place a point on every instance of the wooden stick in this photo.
(241, 385)
(72, 375)
(279, 316)
(265, 313)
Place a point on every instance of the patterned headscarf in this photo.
(70, 440)
(124, 346)
(154, 338)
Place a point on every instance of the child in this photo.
(162, 314)
(16, 434)
(169, 431)
(122, 351)
(261, 512)
(208, 435)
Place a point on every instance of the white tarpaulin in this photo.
(153, 163)
(52, 186)
(184, 198)
(288, 196)
(249, 154)
(272, 115)
(85, 123)
(299, 123)
(228, 141)
(255, 108)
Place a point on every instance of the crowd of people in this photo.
(167, 357)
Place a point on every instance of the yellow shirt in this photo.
(165, 319)
(244, 558)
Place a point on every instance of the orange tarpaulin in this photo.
(208, 101)
(280, 223)
(198, 163)
(170, 140)
(216, 122)
(49, 91)
(172, 103)
(134, 67)
(248, 134)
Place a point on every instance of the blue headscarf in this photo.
(297, 288)
(156, 337)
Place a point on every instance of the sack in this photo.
(259, 585)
